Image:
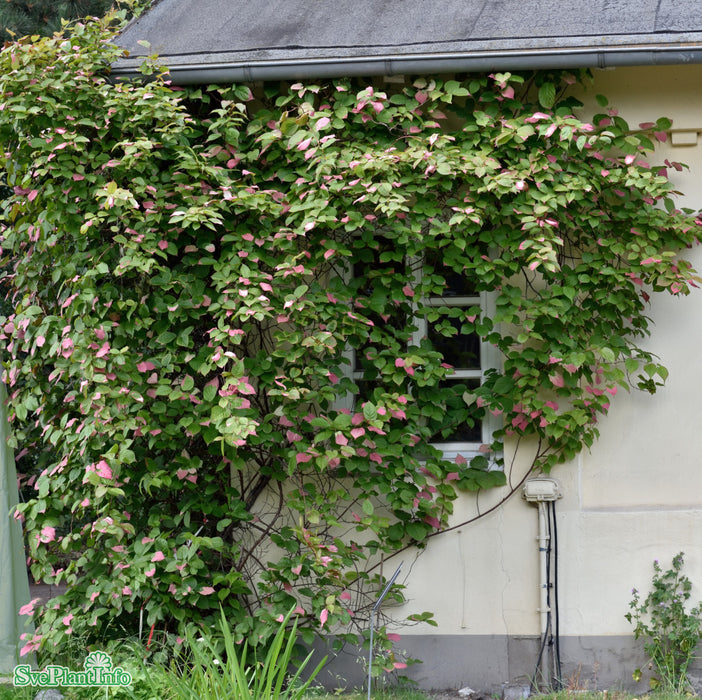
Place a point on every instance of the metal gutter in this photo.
(474, 62)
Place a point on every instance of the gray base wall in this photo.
(489, 663)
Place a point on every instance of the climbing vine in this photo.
(214, 350)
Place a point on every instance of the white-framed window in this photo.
(468, 356)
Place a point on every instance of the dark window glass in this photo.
(456, 283)
(461, 424)
(460, 350)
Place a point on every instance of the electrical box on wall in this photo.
(542, 488)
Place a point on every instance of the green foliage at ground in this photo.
(192, 270)
(670, 628)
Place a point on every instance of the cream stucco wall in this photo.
(637, 496)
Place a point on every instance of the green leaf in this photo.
(547, 95)
(417, 531)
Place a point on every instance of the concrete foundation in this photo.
(489, 663)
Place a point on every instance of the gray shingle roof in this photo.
(215, 40)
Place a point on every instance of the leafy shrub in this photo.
(670, 632)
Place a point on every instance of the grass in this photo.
(8, 692)
(611, 695)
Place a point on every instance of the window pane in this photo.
(456, 283)
(365, 391)
(461, 424)
(461, 350)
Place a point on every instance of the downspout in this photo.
(316, 68)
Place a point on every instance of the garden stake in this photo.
(372, 622)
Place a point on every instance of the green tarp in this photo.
(14, 584)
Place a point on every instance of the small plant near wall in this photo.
(671, 632)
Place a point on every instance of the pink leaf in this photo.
(434, 522)
(28, 609)
(323, 617)
(536, 117)
(47, 534)
(145, 366)
(158, 556)
(207, 590)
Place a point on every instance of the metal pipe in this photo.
(378, 603)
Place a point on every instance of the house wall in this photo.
(635, 497)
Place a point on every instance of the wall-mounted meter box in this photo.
(542, 488)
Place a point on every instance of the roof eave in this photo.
(232, 71)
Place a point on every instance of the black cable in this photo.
(556, 611)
